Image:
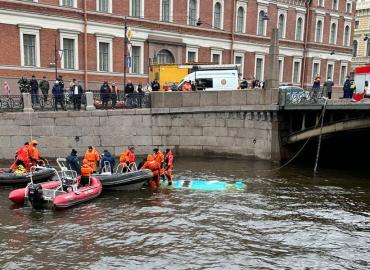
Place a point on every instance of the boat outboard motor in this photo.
(35, 195)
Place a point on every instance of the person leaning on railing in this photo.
(58, 95)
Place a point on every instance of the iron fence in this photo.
(11, 103)
(47, 102)
(121, 100)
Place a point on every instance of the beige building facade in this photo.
(361, 39)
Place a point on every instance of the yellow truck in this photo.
(169, 74)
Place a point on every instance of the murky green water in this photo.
(285, 220)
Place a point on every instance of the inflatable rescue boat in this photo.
(40, 175)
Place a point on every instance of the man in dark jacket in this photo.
(76, 94)
(328, 86)
(24, 85)
(34, 90)
(244, 84)
(347, 88)
(107, 157)
(105, 94)
(58, 95)
(129, 88)
(44, 86)
(73, 162)
(155, 85)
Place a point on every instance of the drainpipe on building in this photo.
(306, 35)
(85, 44)
(232, 35)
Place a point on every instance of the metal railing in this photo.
(121, 100)
(11, 103)
(47, 102)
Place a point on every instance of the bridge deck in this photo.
(333, 104)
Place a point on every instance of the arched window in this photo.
(281, 25)
(217, 16)
(318, 31)
(193, 12)
(346, 36)
(165, 57)
(333, 33)
(240, 20)
(354, 48)
(298, 31)
(261, 23)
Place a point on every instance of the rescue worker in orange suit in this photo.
(34, 153)
(159, 157)
(155, 167)
(168, 161)
(92, 156)
(22, 155)
(86, 172)
(127, 157)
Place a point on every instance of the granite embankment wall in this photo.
(226, 122)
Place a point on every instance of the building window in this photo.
(296, 72)
(261, 23)
(103, 56)
(216, 59)
(298, 31)
(368, 48)
(357, 24)
(281, 69)
(343, 74)
(316, 69)
(136, 8)
(333, 33)
(217, 15)
(165, 57)
(321, 3)
(349, 7)
(166, 5)
(136, 59)
(239, 60)
(67, 3)
(281, 26)
(335, 4)
(330, 71)
(346, 36)
(240, 20)
(69, 53)
(192, 57)
(29, 50)
(318, 36)
(259, 69)
(193, 12)
(354, 48)
(104, 5)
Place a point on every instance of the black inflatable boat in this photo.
(40, 175)
(133, 180)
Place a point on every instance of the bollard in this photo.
(27, 104)
(89, 101)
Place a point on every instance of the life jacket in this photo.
(159, 157)
(34, 153)
(152, 165)
(23, 154)
(169, 159)
(86, 170)
(123, 158)
(92, 157)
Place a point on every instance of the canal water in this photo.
(286, 219)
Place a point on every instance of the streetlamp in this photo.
(57, 55)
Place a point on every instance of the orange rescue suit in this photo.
(127, 157)
(159, 157)
(169, 166)
(155, 167)
(86, 171)
(92, 157)
(34, 154)
(22, 154)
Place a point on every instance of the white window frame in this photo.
(344, 36)
(69, 35)
(191, 49)
(244, 5)
(261, 8)
(297, 60)
(335, 7)
(171, 11)
(281, 71)
(260, 56)
(74, 3)
(351, 6)
(327, 65)
(109, 40)
(187, 12)
(141, 10)
(240, 54)
(319, 18)
(303, 28)
(316, 61)
(141, 45)
(109, 6)
(336, 31)
(218, 52)
(319, 3)
(285, 13)
(222, 14)
(30, 30)
(343, 64)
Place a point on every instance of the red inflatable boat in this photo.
(59, 194)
